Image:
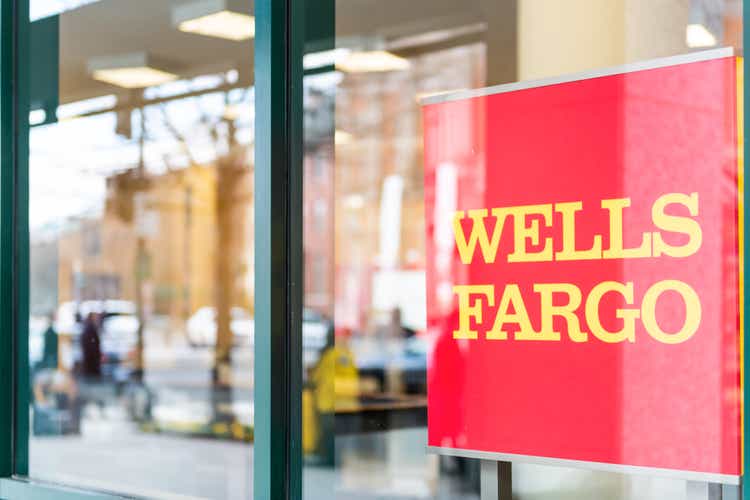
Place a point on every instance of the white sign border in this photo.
(662, 62)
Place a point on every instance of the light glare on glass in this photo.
(37, 116)
(133, 78)
(341, 137)
(371, 61)
(225, 24)
(323, 58)
(697, 35)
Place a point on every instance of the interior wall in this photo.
(556, 37)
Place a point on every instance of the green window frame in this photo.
(278, 373)
(280, 41)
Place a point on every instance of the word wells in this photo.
(610, 309)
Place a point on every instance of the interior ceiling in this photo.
(398, 18)
(111, 27)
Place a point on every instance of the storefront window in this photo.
(364, 401)
(141, 266)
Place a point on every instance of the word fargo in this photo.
(583, 270)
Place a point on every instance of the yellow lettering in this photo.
(616, 249)
(512, 297)
(569, 252)
(676, 224)
(627, 315)
(692, 311)
(523, 232)
(567, 311)
(478, 234)
(468, 310)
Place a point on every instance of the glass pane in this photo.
(365, 398)
(141, 219)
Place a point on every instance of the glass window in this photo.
(364, 400)
(141, 225)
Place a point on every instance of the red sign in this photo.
(583, 270)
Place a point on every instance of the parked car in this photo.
(68, 319)
(37, 326)
(201, 327)
(314, 330)
(119, 337)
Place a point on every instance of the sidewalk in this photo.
(392, 466)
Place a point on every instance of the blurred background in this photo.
(141, 217)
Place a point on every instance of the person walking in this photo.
(49, 352)
(91, 366)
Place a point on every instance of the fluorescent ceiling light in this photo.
(130, 71)
(435, 34)
(697, 35)
(371, 61)
(133, 78)
(323, 58)
(39, 9)
(225, 19)
(224, 24)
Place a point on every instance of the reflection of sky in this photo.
(71, 160)
(45, 8)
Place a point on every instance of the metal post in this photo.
(277, 453)
(496, 482)
(730, 492)
(699, 490)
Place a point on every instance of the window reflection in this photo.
(388, 57)
(141, 221)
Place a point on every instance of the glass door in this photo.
(141, 241)
(368, 214)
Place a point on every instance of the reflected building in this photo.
(177, 214)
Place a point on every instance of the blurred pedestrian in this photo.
(91, 347)
(336, 384)
(395, 328)
(50, 349)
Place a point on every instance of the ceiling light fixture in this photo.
(227, 19)
(323, 58)
(40, 9)
(130, 71)
(697, 35)
(371, 61)
(705, 26)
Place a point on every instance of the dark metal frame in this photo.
(278, 249)
(278, 207)
(14, 235)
